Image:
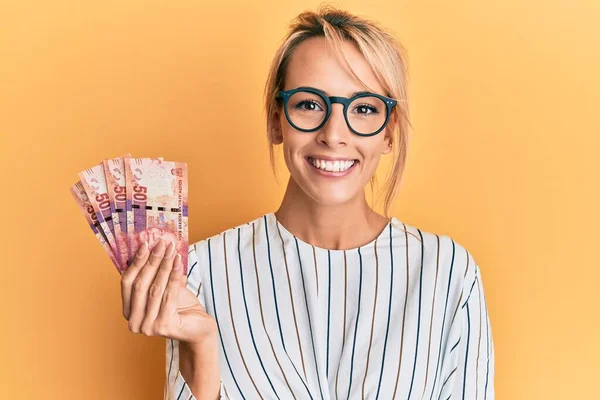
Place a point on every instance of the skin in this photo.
(157, 302)
(330, 213)
(326, 212)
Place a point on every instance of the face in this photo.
(314, 65)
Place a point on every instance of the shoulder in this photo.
(205, 252)
(439, 253)
(243, 229)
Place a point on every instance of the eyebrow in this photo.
(324, 91)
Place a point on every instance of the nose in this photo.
(335, 132)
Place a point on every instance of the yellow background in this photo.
(503, 158)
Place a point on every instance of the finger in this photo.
(156, 291)
(141, 285)
(168, 307)
(157, 253)
(129, 276)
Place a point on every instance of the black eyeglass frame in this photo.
(329, 100)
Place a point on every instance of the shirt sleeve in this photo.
(469, 372)
(176, 388)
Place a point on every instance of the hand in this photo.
(156, 300)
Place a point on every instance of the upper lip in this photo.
(331, 158)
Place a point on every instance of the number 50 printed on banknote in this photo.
(157, 204)
(128, 201)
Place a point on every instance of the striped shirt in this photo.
(403, 316)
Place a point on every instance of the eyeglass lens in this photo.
(365, 115)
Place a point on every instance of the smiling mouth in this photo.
(334, 168)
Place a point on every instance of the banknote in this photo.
(94, 183)
(114, 170)
(86, 208)
(157, 204)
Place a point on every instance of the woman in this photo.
(324, 298)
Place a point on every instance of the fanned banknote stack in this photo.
(127, 201)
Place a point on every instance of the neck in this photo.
(341, 226)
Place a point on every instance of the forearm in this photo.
(199, 366)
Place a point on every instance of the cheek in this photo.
(373, 161)
(370, 149)
(293, 144)
(370, 160)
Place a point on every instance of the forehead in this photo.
(314, 63)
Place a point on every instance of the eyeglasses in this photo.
(308, 109)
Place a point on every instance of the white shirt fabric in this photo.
(403, 316)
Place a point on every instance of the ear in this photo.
(276, 134)
(389, 132)
(387, 144)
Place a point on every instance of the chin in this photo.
(326, 193)
(332, 199)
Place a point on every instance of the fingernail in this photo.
(159, 247)
(177, 262)
(170, 250)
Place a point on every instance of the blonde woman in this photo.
(323, 298)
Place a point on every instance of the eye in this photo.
(308, 105)
(366, 109)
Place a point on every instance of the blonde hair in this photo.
(382, 51)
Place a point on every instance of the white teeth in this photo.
(332, 166)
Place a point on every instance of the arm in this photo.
(470, 354)
(200, 369)
(193, 371)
